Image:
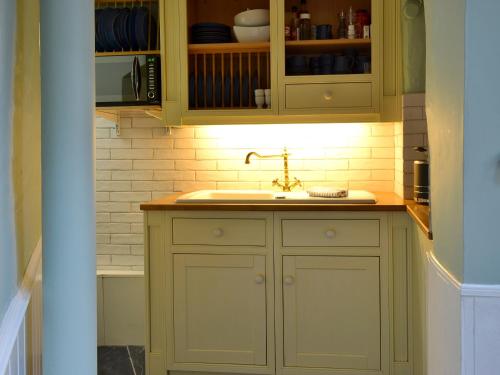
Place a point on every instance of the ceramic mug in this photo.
(343, 64)
(324, 32)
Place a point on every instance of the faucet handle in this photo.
(296, 183)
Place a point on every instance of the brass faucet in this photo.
(286, 186)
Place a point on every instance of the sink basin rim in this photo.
(271, 197)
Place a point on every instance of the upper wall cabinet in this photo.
(129, 48)
(329, 57)
(271, 61)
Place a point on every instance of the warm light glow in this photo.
(306, 137)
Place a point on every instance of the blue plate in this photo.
(201, 91)
(141, 27)
(236, 89)
(244, 87)
(192, 97)
(98, 43)
(110, 15)
(131, 29)
(227, 90)
(218, 90)
(120, 28)
(210, 87)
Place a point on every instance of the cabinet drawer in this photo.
(328, 95)
(219, 232)
(327, 233)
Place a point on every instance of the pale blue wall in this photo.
(482, 143)
(8, 261)
(444, 20)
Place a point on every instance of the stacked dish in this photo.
(118, 29)
(252, 26)
(208, 32)
(297, 65)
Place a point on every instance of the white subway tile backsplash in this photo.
(102, 153)
(113, 143)
(105, 228)
(153, 143)
(127, 218)
(114, 164)
(130, 197)
(112, 249)
(147, 162)
(134, 133)
(132, 175)
(112, 186)
(134, 154)
(152, 186)
(153, 164)
(127, 239)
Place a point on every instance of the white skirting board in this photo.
(120, 308)
(481, 329)
(463, 325)
(21, 326)
(443, 320)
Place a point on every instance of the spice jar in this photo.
(305, 26)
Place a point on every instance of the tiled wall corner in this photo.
(145, 162)
(411, 132)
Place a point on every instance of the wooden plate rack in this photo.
(245, 66)
(153, 32)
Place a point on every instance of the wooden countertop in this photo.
(421, 215)
(385, 202)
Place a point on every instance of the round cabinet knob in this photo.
(218, 232)
(259, 279)
(328, 95)
(288, 280)
(330, 233)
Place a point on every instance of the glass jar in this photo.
(305, 26)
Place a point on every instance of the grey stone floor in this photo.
(120, 360)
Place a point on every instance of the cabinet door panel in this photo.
(331, 312)
(220, 309)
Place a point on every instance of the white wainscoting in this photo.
(21, 327)
(443, 320)
(481, 329)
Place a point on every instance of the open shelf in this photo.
(228, 47)
(324, 45)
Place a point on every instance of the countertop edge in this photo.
(388, 202)
(421, 216)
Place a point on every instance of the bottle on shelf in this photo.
(342, 30)
(294, 24)
(305, 26)
(351, 30)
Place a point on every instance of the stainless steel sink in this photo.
(272, 197)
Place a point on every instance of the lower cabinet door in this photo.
(331, 307)
(220, 309)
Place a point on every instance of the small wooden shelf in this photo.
(128, 53)
(322, 45)
(228, 47)
(114, 113)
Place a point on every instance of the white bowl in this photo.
(252, 17)
(251, 34)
